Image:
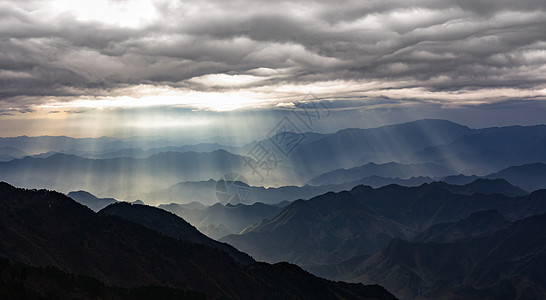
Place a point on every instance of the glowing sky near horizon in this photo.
(72, 63)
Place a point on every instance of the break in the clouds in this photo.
(59, 55)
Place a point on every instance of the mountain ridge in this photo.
(45, 228)
(350, 223)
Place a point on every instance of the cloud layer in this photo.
(438, 51)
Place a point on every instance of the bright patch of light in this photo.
(150, 96)
(283, 95)
(130, 13)
(225, 80)
(7, 74)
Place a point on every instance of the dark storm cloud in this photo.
(436, 45)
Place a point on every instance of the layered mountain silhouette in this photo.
(220, 220)
(109, 167)
(170, 225)
(205, 192)
(503, 261)
(91, 200)
(430, 209)
(44, 228)
(22, 281)
(10, 153)
(530, 177)
(118, 177)
(335, 227)
(82, 146)
(478, 224)
(387, 170)
(488, 150)
(484, 186)
(354, 147)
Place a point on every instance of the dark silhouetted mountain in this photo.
(478, 224)
(388, 170)
(21, 281)
(485, 186)
(170, 225)
(497, 184)
(43, 228)
(508, 264)
(218, 220)
(118, 177)
(488, 150)
(378, 181)
(334, 227)
(90, 200)
(283, 203)
(530, 177)
(326, 229)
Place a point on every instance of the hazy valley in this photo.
(438, 211)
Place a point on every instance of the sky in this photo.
(204, 68)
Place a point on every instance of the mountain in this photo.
(354, 147)
(90, 200)
(488, 150)
(170, 225)
(326, 229)
(219, 220)
(508, 264)
(22, 281)
(12, 152)
(88, 146)
(6, 157)
(389, 170)
(139, 152)
(530, 177)
(205, 192)
(335, 227)
(485, 186)
(181, 193)
(452, 148)
(44, 228)
(378, 181)
(482, 223)
(118, 177)
(460, 179)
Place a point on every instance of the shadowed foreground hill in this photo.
(508, 264)
(170, 225)
(43, 228)
(21, 281)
